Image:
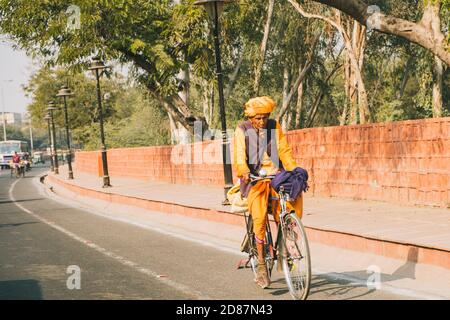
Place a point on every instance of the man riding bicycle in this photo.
(15, 164)
(16, 160)
(261, 144)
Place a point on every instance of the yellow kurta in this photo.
(284, 152)
(258, 196)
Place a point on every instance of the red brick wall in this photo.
(161, 163)
(405, 162)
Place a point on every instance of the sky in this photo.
(18, 67)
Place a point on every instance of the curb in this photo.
(382, 247)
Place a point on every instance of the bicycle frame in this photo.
(274, 250)
(271, 250)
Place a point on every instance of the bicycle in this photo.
(291, 248)
(17, 169)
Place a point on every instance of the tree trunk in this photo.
(286, 81)
(353, 93)
(405, 77)
(211, 110)
(360, 45)
(286, 85)
(173, 130)
(206, 101)
(184, 78)
(437, 88)
(320, 95)
(299, 107)
(343, 119)
(234, 75)
(287, 99)
(314, 109)
(263, 50)
(432, 20)
(301, 76)
(353, 53)
(348, 90)
(289, 121)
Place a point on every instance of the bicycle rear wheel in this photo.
(296, 259)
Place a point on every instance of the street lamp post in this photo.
(31, 137)
(3, 108)
(97, 67)
(214, 9)
(47, 117)
(3, 114)
(50, 109)
(66, 92)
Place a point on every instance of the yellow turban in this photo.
(259, 105)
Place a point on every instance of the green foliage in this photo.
(14, 132)
(131, 117)
(150, 34)
(157, 39)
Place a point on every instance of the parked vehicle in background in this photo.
(38, 157)
(7, 149)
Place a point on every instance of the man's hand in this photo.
(246, 178)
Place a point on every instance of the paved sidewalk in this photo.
(382, 228)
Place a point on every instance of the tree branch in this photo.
(419, 33)
(173, 104)
(320, 95)
(263, 50)
(300, 77)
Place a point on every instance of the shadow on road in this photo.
(330, 281)
(15, 224)
(20, 290)
(338, 288)
(23, 200)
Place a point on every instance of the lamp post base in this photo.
(227, 188)
(106, 182)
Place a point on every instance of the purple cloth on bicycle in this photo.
(294, 182)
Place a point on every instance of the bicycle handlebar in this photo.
(255, 178)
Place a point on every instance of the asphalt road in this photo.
(47, 249)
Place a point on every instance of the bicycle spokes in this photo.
(296, 261)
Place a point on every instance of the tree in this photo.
(354, 40)
(262, 55)
(149, 34)
(421, 33)
(132, 117)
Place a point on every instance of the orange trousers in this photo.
(258, 200)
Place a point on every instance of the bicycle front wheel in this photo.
(296, 259)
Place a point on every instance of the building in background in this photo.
(11, 118)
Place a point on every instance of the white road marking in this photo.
(177, 235)
(180, 287)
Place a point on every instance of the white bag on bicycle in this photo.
(238, 204)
